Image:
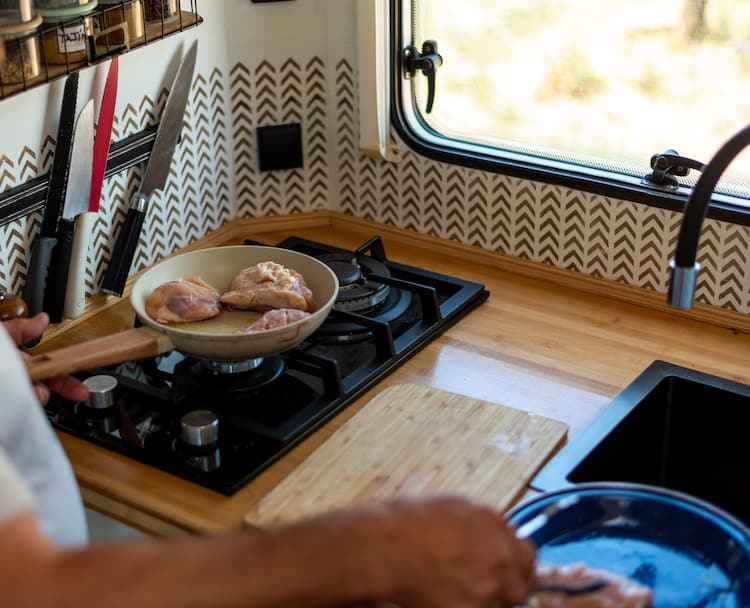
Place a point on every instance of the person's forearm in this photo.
(439, 553)
(304, 565)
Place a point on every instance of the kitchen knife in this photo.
(41, 252)
(75, 292)
(76, 202)
(154, 177)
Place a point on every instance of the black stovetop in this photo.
(290, 395)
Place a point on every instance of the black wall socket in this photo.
(280, 147)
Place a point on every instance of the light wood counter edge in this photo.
(239, 229)
(148, 523)
(705, 313)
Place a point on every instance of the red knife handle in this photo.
(103, 134)
(57, 279)
(122, 255)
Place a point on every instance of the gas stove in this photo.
(219, 424)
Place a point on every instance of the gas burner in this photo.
(356, 292)
(339, 331)
(231, 367)
(230, 377)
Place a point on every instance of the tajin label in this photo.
(71, 39)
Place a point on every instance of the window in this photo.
(577, 92)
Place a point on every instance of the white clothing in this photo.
(34, 470)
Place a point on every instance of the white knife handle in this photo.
(75, 292)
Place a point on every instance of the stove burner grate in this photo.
(357, 293)
(226, 378)
(231, 367)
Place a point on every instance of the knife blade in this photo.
(76, 202)
(41, 251)
(154, 177)
(75, 292)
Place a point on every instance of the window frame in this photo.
(423, 139)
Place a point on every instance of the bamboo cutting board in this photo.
(416, 440)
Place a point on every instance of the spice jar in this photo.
(161, 10)
(22, 64)
(56, 4)
(66, 33)
(14, 12)
(121, 21)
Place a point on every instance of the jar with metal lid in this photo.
(56, 4)
(161, 10)
(121, 22)
(66, 33)
(14, 12)
(22, 58)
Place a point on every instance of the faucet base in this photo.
(682, 285)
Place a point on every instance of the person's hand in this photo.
(24, 330)
(451, 553)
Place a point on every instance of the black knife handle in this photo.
(122, 255)
(36, 274)
(36, 278)
(57, 278)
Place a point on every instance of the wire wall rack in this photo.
(56, 42)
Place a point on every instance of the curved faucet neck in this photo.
(697, 203)
(684, 268)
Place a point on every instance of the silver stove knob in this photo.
(101, 391)
(207, 463)
(200, 428)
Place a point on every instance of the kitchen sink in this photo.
(672, 427)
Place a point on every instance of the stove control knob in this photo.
(101, 391)
(200, 428)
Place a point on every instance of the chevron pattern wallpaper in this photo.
(291, 92)
(578, 231)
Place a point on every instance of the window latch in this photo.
(428, 61)
(668, 166)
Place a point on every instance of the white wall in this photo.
(298, 29)
(27, 118)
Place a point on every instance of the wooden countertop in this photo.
(547, 341)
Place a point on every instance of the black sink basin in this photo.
(672, 427)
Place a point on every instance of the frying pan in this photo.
(214, 339)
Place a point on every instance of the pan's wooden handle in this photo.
(109, 350)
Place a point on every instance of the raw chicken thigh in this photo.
(266, 286)
(620, 592)
(275, 318)
(183, 300)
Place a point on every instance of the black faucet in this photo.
(684, 265)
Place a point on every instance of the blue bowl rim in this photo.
(703, 507)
